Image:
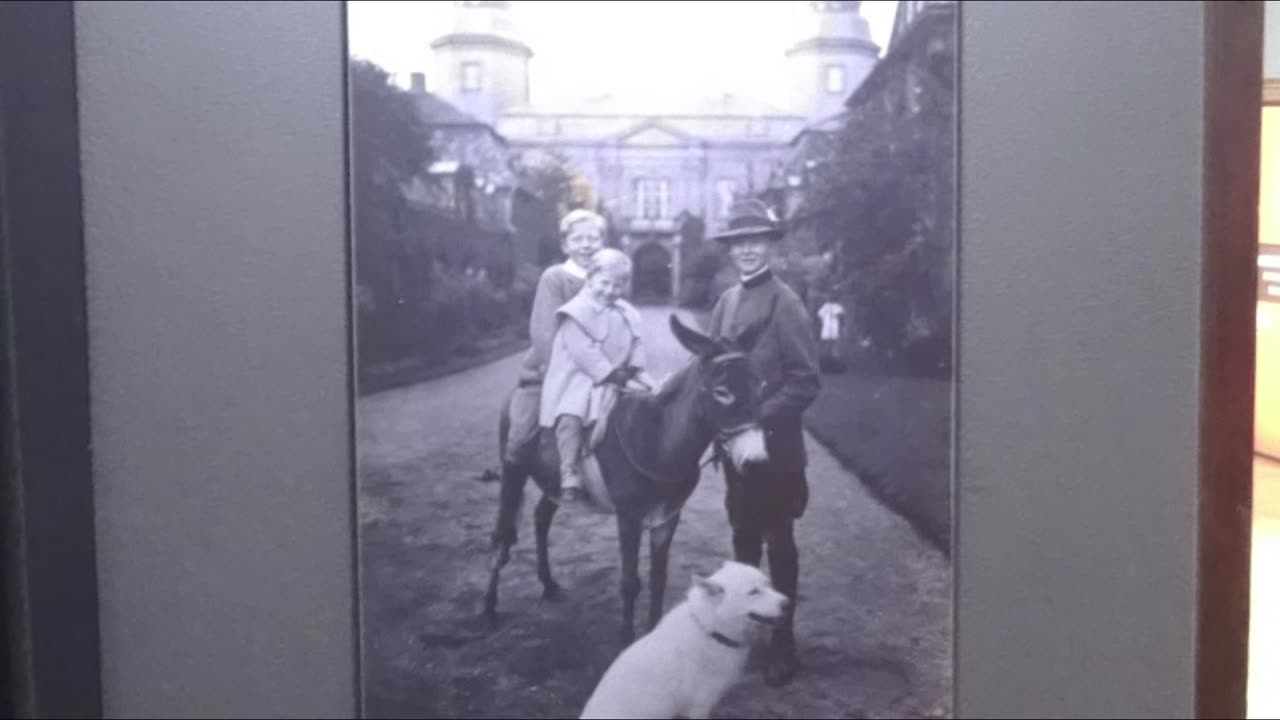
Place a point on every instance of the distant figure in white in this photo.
(699, 650)
(830, 328)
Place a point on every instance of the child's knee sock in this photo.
(569, 442)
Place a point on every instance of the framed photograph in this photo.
(701, 303)
(493, 359)
(48, 572)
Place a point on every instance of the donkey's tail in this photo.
(489, 474)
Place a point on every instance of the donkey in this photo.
(649, 457)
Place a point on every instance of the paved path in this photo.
(873, 622)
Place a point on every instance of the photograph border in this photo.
(1228, 56)
(213, 164)
(1210, 61)
(50, 580)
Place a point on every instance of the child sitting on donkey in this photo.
(570, 324)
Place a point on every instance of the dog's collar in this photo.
(718, 636)
(726, 641)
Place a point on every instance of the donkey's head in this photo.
(727, 394)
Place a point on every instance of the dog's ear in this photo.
(709, 587)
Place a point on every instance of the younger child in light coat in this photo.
(596, 351)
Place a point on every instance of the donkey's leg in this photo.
(629, 538)
(504, 534)
(659, 551)
(501, 556)
(542, 515)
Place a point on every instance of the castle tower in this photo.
(481, 66)
(832, 58)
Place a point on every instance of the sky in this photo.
(632, 49)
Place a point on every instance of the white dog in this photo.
(686, 664)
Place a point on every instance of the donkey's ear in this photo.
(692, 340)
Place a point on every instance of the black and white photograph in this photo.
(654, 317)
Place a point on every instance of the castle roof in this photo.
(437, 111)
(722, 105)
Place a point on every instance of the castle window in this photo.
(835, 79)
(653, 198)
(472, 78)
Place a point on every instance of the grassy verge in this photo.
(895, 434)
(380, 378)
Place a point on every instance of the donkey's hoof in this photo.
(552, 592)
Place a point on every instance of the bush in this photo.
(443, 320)
(520, 298)
(486, 308)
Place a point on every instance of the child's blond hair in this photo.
(609, 259)
(581, 215)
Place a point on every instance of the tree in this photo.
(551, 174)
(888, 193)
(389, 150)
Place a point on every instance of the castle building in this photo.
(653, 168)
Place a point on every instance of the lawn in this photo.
(895, 434)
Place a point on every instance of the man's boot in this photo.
(782, 665)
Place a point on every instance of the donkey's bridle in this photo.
(730, 433)
(726, 434)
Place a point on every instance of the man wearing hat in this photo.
(765, 499)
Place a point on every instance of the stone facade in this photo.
(834, 55)
(652, 173)
(481, 65)
(656, 171)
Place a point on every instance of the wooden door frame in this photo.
(1233, 118)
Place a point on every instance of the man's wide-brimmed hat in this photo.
(750, 218)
